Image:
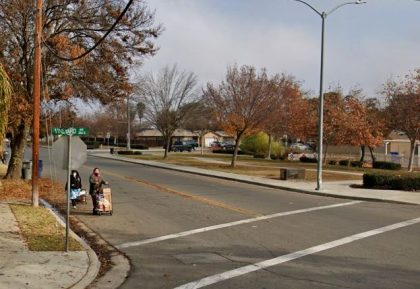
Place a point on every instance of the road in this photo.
(187, 231)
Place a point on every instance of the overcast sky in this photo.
(365, 44)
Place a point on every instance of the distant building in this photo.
(398, 143)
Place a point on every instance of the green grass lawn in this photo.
(41, 230)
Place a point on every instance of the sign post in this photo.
(69, 132)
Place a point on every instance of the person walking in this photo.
(96, 181)
(75, 187)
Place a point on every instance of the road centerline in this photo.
(230, 224)
(292, 256)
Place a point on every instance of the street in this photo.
(187, 231)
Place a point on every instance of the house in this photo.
(219, 136)
(153, 137)
(398, 143)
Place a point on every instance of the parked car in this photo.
(180, 146)
(193, 143)
(217, 145)
(300, 147)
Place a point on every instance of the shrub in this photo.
(92, 144)
(259, 156)
(129, 153)
(139, 146)
(386, 166)
(258, 145)
(405, 182)
(356, 164)
(332, 162)
(305, 159)
(344, 163)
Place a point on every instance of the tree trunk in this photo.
(235, 152)
(202, 143)
(270, 141)
(168, 143)
(325, 153)
(362, 153)
(412, 151)
(17, 152)
(372, 155)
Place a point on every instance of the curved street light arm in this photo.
(344, 4)
(316, 11)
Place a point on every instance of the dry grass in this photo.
(250, 166)
(41, 230)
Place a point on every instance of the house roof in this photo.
(156, 133)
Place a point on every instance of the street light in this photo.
(323, 16)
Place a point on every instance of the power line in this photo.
(97, 43)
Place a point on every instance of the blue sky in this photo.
(365, 44)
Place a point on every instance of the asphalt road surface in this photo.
(187, 231)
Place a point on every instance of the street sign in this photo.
(70, 131)
(78, 152)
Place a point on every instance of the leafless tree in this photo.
(166, 97)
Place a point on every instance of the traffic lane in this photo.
(141, 212)
(390, 260)
(252, 198)
(175, 262)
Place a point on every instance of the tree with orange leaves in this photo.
(403, 110)
(243, 103)
(70, 28)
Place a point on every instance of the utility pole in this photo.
(36, 96)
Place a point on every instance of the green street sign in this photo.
(70, 131)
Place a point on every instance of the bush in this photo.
(305, 159)
(258, 145)
(129, 153)
(332, 162)
(259, 156)
(344, 163)
(92, 144)
(139, 146)
(405, 182)
(356, 164)
(386, 166)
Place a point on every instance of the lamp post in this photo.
(323, 16)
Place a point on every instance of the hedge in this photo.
(332, 162)
(344, 163)
(386, 165)
(129, 153)
(356, 164)
(305, 159)
(230, 152)
(405, 182)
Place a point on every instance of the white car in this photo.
(300, 146)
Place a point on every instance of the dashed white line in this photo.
(292, 256)
(225, 225)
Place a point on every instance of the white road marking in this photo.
(220, 226)
(292, 256)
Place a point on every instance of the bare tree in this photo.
(242, 103)
(166, 97)
(200, 121)
(403, 110)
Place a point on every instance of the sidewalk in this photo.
(21, 268)
(339, 189)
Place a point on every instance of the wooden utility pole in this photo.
(36, 96)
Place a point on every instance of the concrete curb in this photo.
(238, 178)
(94, 264)
(121, 266)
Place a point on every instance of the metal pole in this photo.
(68, 193)
(321, 109)
(128, 124)
(36, 103)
